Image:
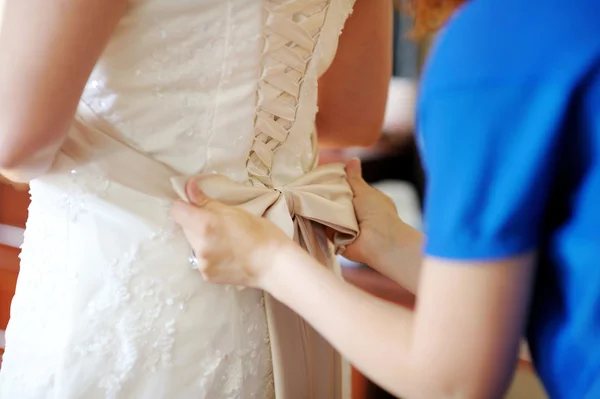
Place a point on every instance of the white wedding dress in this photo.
(106, 304)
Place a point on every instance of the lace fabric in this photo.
(106, 304)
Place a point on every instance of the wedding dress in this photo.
(106, 304)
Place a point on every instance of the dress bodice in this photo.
(219, 86)
(106, 305)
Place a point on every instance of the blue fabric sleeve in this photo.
(490, 152)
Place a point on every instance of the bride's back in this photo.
(193, 83)
(105, 291)
(178, 80)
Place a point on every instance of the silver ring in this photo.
(193, 260)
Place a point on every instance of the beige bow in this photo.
(320, 197)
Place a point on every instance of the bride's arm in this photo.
(47, 52)
(353, 91)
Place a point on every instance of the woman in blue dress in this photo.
(509, 128)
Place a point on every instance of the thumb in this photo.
(354, 172)
(354, 168)
(195, 195)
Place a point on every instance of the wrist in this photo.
(282, 262)
(401, 242)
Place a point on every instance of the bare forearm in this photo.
(32, 166)
(352, 114)
(402, 259)
(338, 134)
(398, 349)
(373, 334)
(15, 186)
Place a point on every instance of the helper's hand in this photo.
(232, 246)
(381, 230)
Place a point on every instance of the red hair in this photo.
(429, 15)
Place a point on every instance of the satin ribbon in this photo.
(320, 197)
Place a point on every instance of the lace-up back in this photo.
(291, 31)
(106, 305)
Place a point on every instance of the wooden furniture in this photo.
(13, 213)
(9, 269)
(13, 206)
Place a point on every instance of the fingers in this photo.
(354, 171)
(195, 195)
(354, 168)
(354, 175)
(190, 216)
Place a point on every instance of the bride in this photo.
(106, 107)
